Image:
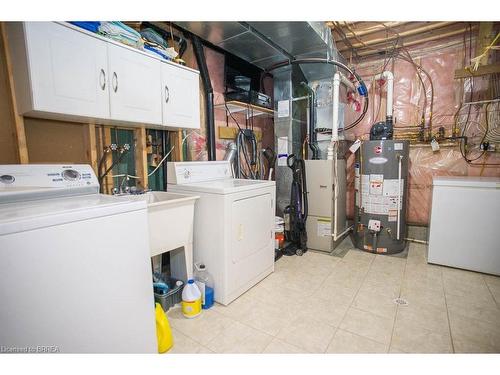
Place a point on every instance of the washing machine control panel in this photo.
(198, 171)
(45, 179)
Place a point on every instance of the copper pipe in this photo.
(418, 30)
(370, 30)
(428, 39)
(428, 145)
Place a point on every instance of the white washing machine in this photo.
(233, 224)
(75, 271)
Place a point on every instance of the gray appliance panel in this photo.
(319, 176)
(320, 186)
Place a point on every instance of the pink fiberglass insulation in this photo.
(440, 61)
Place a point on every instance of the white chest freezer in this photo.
(464, 224)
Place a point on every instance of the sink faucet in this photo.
(124, 190)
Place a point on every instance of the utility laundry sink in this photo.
(170, 217)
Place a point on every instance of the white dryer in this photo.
(75, 267)
(233, 226)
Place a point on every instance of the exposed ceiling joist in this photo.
(363, 39)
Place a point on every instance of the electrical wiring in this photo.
(244, 149)
(396, 53)
(354, 52)
(361, 89)
(477, 59)
(101, 177)
(484, 152)
(159, 164)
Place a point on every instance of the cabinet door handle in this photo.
(102, 79)
(115, 82)
(167, 94)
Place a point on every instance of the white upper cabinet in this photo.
(135, 81)
(180, 97)
(67, 70)
(64, 72)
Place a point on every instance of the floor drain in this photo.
(401, 301)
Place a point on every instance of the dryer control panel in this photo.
(35, 181)
(198, 171)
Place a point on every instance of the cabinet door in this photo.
(68, 70)
(181, 97)
(135, 86)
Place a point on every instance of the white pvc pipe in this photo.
(335, 195)
(346, 82)
(399, 198)
(387, 75)
(335, 124)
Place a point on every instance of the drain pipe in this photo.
(389, 77)
(313, 139)
(346, 82)
(209, 95)
(335, 124)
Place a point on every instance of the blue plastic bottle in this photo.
(205, 283)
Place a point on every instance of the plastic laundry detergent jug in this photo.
(205, 283)
(191, 300)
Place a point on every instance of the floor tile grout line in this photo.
(218, 334)
(353, 299)
(492, 295)
(209, 341)
(242, 323)
(447, 314)
(333, 337)
(399, 296)
(357, 334)
(277, 334)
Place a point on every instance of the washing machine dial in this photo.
(7, 179)
(71, 175)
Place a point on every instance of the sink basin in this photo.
(170, 217)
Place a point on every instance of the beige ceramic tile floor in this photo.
(322, 304)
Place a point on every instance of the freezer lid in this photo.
(224, 186)
(472, 182)
(29, 215)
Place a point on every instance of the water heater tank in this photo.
(381, 188)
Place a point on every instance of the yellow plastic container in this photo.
(191, 300)
(191, 309)
(163, 331)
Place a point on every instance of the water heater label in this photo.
(398, 146)
(391, 187)
(376, 184)
(354, 147)
(379, 196)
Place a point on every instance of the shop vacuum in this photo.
(295, 214)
